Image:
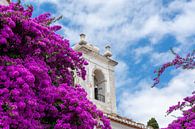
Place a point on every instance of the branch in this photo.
(172, 51)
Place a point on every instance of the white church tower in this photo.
(100, 80)
(100, 83)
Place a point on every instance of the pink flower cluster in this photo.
(186, 63)
(187, 121)
(36, 78)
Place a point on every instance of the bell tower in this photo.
(100, 78)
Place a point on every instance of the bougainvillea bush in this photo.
(187, 106)
(36, 78)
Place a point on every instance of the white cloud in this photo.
(122, 22)
(161, 58)
(154, 102)
(141, 51)
(121, 74)
(118, 22)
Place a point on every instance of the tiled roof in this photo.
(125, 121)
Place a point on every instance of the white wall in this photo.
(95, 63)
(3, 2)
(116, 125)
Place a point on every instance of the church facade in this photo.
(100, 83)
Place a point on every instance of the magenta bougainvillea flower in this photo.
(36, 78)
(187, 106)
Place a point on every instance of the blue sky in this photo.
(141, 33)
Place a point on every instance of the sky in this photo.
(140, 33)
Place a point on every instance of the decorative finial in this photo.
(107, 52)
(82, 36)
(82, 39)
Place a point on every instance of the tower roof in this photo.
(86, 48)
(125, 121)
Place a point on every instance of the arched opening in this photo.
(99, 85)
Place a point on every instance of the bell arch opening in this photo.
(99, 85)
